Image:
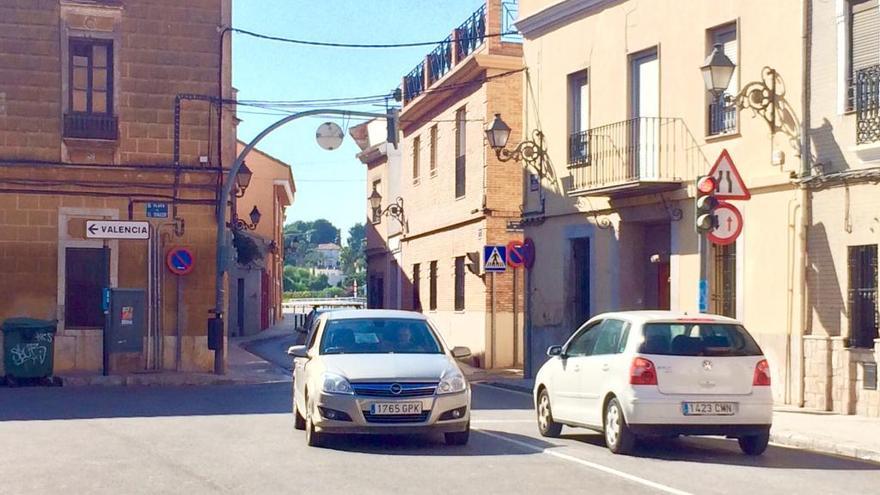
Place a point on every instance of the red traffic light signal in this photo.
(706, 185)
(705, 204)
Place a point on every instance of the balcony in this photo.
(644, 155)
(867, 103)
(722, 119)
(90, 126)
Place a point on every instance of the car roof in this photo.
(648, 316)
(352, 314)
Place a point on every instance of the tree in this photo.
(352, 258)
(324, 232)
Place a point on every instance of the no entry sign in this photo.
(180, 261)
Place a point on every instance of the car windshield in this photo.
(698, 339)
(379, 336)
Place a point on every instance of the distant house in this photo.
(329, 255)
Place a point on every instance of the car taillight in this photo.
(762, 374)
(642, 372)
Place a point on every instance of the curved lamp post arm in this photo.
(226, 190)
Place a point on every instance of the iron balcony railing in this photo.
(722, 118)
(414, 82)
(471, 33)
(644, 149)
(440, 60)
(509, 15)
(90, 126)
(867, 103)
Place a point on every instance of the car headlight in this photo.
(452, 383)
(336, 384)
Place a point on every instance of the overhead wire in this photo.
(330, 44)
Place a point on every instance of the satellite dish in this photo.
(329, 136)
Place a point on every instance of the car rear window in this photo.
(698, 339)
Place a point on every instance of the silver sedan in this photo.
(379, 372)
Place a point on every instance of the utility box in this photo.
(126, 321)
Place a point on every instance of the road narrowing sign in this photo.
(494, 258)
(117, 229)
(728, 182)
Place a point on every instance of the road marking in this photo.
(505, 389)
(593, 465)
(481, 421)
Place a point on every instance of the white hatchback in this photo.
(657, 373)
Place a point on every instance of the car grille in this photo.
(397, 418)
(383, 389)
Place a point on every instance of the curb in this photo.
(799, 441)
(511, 387)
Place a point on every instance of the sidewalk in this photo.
(242, 368)
(849, 436)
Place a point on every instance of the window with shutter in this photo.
(460, 151)
(722, 115)
(864, 37)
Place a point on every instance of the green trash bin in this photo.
(28, 348)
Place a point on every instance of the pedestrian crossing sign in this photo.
(494, 258)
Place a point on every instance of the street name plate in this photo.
(117, 229)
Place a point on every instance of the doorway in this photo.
(240, 313)
(644, 110)
(87, 273)
(580, 273)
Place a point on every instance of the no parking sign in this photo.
(180, 261)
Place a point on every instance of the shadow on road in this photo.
(711, 450)
(431, 445)
(130, 402)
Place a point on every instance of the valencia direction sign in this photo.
(117, 229)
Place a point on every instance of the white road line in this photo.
(593, 465)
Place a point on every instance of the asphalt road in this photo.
(240, 439)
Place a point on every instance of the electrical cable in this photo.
(366, 45)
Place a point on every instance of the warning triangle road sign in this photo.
(728, 182)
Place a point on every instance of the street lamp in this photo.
(242, 180)
(394, 210)
(760, 96)
(530, 151)
(239, 224)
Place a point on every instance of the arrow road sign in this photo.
(494, 258)
(117, 229)
(728, 182)
(728, 224)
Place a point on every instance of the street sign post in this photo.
(728, 225)
(117, 229)
(728, 182)
(494, 258)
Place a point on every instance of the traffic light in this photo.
(392, 121)
(473, 262)
(706, 202)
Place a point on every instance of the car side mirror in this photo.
(461, 352)
(554, 350)
(298, 351)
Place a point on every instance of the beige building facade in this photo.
(840, 343)
(87, 132)
(616, 88)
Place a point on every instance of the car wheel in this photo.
(546, 426)
(618, 437)
(754, 444)
(458, 437)
(299, 422)
(313, 438)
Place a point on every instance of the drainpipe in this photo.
(804, 193)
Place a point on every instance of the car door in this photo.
(566, 390)
(600, 370)
(300, 365)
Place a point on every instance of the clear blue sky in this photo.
(330, 184)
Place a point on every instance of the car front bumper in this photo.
(357, 408)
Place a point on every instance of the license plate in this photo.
(393, 408)
(708, 408)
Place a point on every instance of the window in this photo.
(378, 336)
(90, 83)
(432, 286)
(863, 50)
(725, 280)
(612, 337)
(459, 283)
(584, 341)
(432, 150)
(377, 212)
(863, 296)
(722, 116)
(698, 339)
(417, 145)
(86, 275)
(578, 118)
(416, 287)
(460, 150)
